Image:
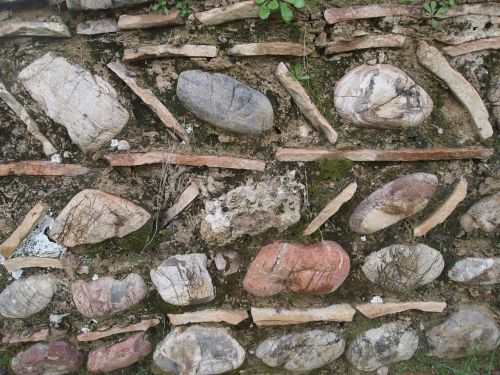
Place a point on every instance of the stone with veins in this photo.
(476, 271)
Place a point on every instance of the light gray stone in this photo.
(301, 351)
(476, 271)
(184, 280)
(100, 4)
(85, 104)
(483, 215)
(378, 347)
(463, 331)
(34, 28)
(225, 102)
(93, 27)
(198, 350)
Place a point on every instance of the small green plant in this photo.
(298, 74)
(183, 7)
(435, 10)
(266, 7)
(160, 6)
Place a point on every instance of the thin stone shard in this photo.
(42, 29)
(187, 196)
(101, 333)
(374, 310)
(472, 46)
(238, 11)
(365, 42)
(149, 20)
(166, 50)
(209, 316)
(270, 49)
(42, 168)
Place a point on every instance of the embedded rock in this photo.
(86, 105)
(56, 358)
(381, 96)
(93, 216)
(463, 331)
(476, 271)
(313, 269)
(301, 351)
(391, 342)
(225, 102)
(93, 27)
(252, 209)
(42, 29)
(100, 4)
(198, 350)
(401, 267)
(26, 297)
(123, 354)
(483, 215)
(393, 202)
(184, 280)
(106, 295)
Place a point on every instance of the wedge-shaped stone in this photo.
(476, 271)
(27, 297)
(93, 216)
(393, 202)
(402, 267)
(93, 27)
(225, 102)
(198, 350)
(85, 104)
(184, 280)
(149, 20)
(238, 11)
(381, 96)
(44, 29)
(304, 351)
(483, 215)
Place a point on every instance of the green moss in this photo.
(333, 169)
(5, 360)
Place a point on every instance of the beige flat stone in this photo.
(270, 49)
(238, 11)
(209, 316)
(374, 310)
(472, 46)
(165, 50)
(365, 42)
(270, 316)
(149, 20)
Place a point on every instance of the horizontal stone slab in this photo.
(165, 50)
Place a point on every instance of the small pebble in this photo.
(123, 145)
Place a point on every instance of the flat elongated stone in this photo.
(107, 296)
(301, 351)
(391, 342)
(86, 105)
(476, 271)
(198, 350)
(120, 355)
(55, 358)
(166, 50)
(467, 329)
(225, 102)
(381, 96)
(483, 215)
(365, 42)
(468, 28)
(401, 267)
(238, 11)
(26, 297)
(472, 46)
(270, 49)
(184, 280)
(44, 29)
(393, 202)
(100, 4)
(149, 20)
(314, 269)
(93, 27)
(374, 310)
(102, 332)
(93, 216)
(210, 315)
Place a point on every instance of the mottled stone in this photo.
(252, 209)
(93, 216)
(301, 351)
(463, 331)
(41, 29)
(378, 347)
(381, 96)
(93, 27)
(198, 350)
(483, 215)
(27, 297)
(106, 295)
(56, 358)
(225, 102)
(476, 271)
(100, 4)
(184, 280)
(309, 269)
(120, 355)
(403, 267)
(393, 202)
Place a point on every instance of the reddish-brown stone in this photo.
(58, 357)
(123, 354)
(313, 269)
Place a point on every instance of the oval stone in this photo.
(107, 296)
(198, 350)
(476, 271)
(26, 297)
(393, 202)
(391, 342)
(483, 215)
(381, 96)
(403, 267)
(309, 269)
(225, 102)
(301, 351)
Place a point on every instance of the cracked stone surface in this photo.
(403, 267)
(93, 216)
(85, 104)
(303, 351)
(198, 350)
(483, 216)
(315, 269)
(391, 342)
(393, 202)
(381, 96)
(27, 297)
(476, 271)
(107, 296)
(184, 280)
(253, 209)
(225, 102)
